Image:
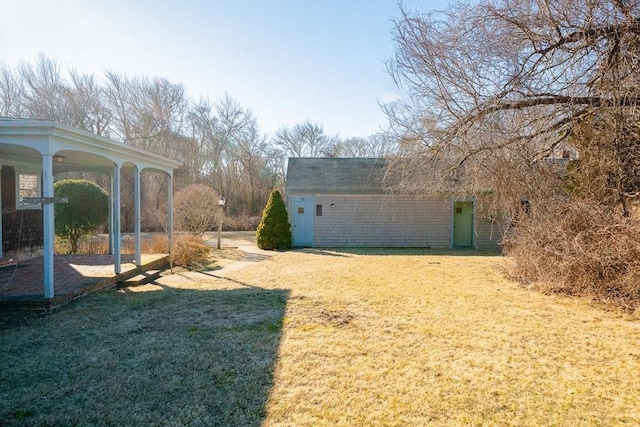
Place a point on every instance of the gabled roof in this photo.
(335, 175)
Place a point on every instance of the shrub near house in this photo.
(86, 210)
(274, 230)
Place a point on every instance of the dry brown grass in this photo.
(324, 338)
(189, 251)
(418, 339)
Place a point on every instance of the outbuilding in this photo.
(344, 202)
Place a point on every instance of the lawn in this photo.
(393, 337)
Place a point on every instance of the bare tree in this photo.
(11, 94)
(250, 151)
(219, 142)
(306, 139)
(247, 181)
(533, 99)
(507, 83)
(87, 103)
(202, 152)
(118, 92)
(147, 113)
(377, 145)
(41, 91)
(352, 147)
(196, 209)
(45, 93)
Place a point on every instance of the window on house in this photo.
(28, 185)
(318, 210)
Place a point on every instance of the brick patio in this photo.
(22, 285)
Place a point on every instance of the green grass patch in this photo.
(163, 357)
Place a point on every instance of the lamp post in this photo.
(221, 202)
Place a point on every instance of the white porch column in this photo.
(117, 260)
(136, 195)
(111, 192)
(48, 224)
(170, 211)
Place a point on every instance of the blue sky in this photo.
(286, 60)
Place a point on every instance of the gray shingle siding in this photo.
(365, 214)
(382, 220)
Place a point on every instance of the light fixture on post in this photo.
(221, 203)
(58, 158)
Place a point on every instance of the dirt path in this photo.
(231, 239)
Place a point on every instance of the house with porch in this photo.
(344, 202)
(32, 152)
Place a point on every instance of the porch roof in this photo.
(51, 148)
(81, 151)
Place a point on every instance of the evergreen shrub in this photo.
(274, 230)
(86, 211)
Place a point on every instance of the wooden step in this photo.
(140, 279)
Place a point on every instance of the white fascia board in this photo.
(66, 137)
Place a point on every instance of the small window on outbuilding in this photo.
(318, 210)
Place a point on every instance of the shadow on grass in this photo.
(164, 357)
(10, 319)
(400, 252)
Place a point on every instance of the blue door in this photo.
(302, 222)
